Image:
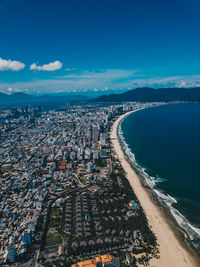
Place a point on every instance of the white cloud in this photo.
(13, 90)
(52, 66)
(11, 65)
(101, 80)
(100, 75)
(71, 69)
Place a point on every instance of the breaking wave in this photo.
(191, 233)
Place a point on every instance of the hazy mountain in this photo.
(20, 98)
(146, 94)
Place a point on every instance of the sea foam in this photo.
(192, 233)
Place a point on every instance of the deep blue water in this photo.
(166, 142)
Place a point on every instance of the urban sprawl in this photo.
(65, 199)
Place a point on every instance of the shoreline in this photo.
(173, 250)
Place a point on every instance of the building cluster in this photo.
(100, 261)
(96, 221)
(45, 156)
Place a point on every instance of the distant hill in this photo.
(20, 98)
(146, 94)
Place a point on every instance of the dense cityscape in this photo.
(64, 195)
(99, 133)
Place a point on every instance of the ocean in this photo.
(163, 144)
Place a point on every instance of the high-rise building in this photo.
(87, 153)
(11, 253)
(95, 154)
(27, 238)
(95, 133)
(90, 167)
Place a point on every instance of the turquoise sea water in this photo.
(163, 143)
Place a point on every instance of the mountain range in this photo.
(17, 99)
(146, 94)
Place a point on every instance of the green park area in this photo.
(54, 229)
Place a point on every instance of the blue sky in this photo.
(62, 46)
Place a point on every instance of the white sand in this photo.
(173, 253)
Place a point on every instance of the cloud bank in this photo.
(52, 66)
(11, 65)
(99, 81)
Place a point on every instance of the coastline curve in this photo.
(173, 250)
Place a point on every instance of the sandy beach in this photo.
(173, 251)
